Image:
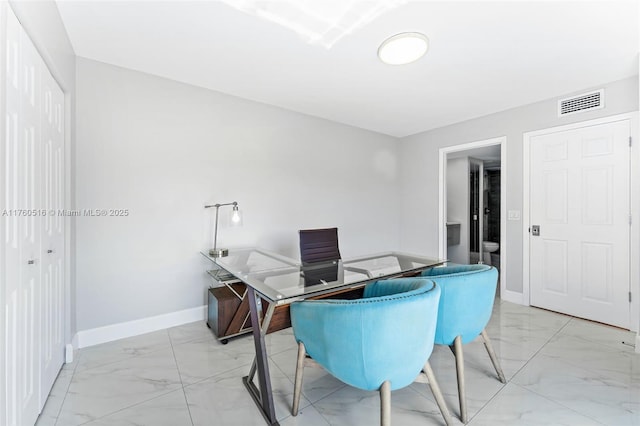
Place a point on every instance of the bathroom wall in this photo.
(492, 202)
(458, 206)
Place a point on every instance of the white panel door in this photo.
(22, 222)
(29, 155)
(579, 263)
(52, 300)
(12, 234)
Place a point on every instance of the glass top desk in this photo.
(281, 280)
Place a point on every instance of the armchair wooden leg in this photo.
(437, 394)
(297, 387)
(457, 350)
(492, 355)
(385, 404)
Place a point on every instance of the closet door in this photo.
(12, 177)
(33, 233)
(52, 282)
(29, 157)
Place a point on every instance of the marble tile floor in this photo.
(560, 370)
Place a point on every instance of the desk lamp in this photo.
(236, 219)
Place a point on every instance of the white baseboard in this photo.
(68, 353)
(109, 333)
(513, 297)
(70, 349)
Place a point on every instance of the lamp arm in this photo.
(235, 203)
(215, 232)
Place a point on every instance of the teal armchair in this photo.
(381, 342)
(465, 307)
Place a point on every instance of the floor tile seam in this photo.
(622, 349)
(423, 396)
(64, 398)
(545, 397)
(539, 349)
(600, 374)
(195, 339)
(502, 388)
(302, 390)
(127, 407)
(280, 351)
(175, 360)
(328, 423)
(121, 360)
(184, 394)
(344, 385)
(274, 364)
(188, 385)
(186, 402)
(604, 379)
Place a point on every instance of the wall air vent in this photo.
(581, 103)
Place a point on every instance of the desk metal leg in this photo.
(263, 397)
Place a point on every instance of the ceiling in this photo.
(484, 57)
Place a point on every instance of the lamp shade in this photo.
(235, 217)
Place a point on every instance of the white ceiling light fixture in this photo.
(403, 48)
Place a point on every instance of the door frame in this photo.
(634, 187)
(442, 201)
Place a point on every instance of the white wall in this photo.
(458, 206)
(164, 149)
(419, 172)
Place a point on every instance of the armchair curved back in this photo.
(466, 302)
(386, 335)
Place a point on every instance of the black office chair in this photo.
(319, 245)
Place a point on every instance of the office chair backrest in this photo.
(319, 245)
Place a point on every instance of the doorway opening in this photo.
(473, 204)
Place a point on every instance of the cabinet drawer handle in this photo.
(31, 262)
(49, 251)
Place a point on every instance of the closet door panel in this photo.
(52, 311)
(12, 178)
(30, 223)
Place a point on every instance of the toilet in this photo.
(488, 247)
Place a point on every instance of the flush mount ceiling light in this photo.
(318, 22)
(403, 48)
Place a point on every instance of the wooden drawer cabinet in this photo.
(228, 314)
(225, 317)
